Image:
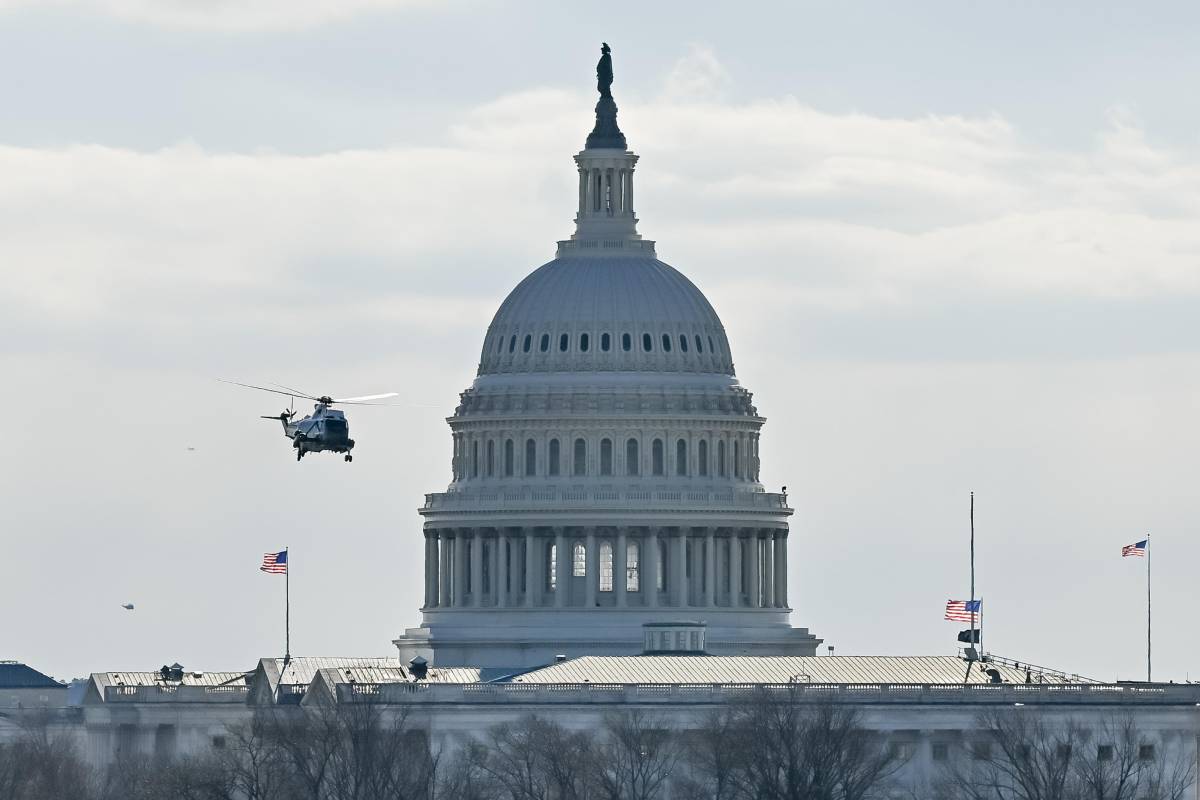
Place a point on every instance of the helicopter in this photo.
(325, 428)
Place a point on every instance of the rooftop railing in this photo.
(175, 694)
(519, 498)
(882, 693)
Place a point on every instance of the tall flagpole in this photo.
(1147, 608)
(972, 606)
(287, 607)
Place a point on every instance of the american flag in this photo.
(963, 610)
(1137, 549)
(275, 563)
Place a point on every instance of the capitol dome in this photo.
(625, 313)
(605, 463)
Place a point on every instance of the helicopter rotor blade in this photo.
(295, 392)
(265, 389)
(360, 400)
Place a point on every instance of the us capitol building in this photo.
(605, 542)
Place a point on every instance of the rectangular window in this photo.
(632, 572)
(579, 561)
(941, 751)
(1146, 752)
(606, 567)
(1104, 752)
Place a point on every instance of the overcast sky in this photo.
(955, 245)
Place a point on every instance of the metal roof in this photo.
(398, 674)
(156, 679)
(15, 675)
(778, 670)
(301, 669)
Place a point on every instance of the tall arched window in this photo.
(699, 344)
(530, 457)
(544, 344)
(737, 459)
(632, 464)
(606, 567)
(512, 343)
(606, 457)
(552, 566)
(681, 465)
(661, 577)
(626, 342)
(605, 342)
(554, 457)
(666, 340)
(580, 466)
(579, 560)
(474, 459)
(525, 345)
(683, 342)
(647, 342)
(585, 342)
(656, 457)
(508, 458)
(633, 568)
(564, 341)
(721, 458)
(702, 458)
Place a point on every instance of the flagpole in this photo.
(287, 607)
(972, 606)
(1147, 608)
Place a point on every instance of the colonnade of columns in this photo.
(606, 567)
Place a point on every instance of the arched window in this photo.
(656, 457)
(474, 459)
(584, 342)
(699, 344)
(626, 342)
(711, 348)
(721, 458)
(681, 465)
(606, 567)
(737, 459)
(605, 342)
(508, 458)
(580, 466)
(530, 457)
(683, 343)
(544, 344)
(647, 342)
(554, 457)
(606, 457)
(525, 345)
(632, 463)
(579, 560)
(666, 340)
(702, 458)
(661, 578)
(633, 569)
(564, 342)
(512, 343)
(491, 458)
(552, 567)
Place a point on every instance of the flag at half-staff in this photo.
(963, 610)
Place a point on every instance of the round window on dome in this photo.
(605, 342)
(666, 339)
(647, 342)
(584, 342)
(525, 345)
(683, 343)
(564, 342)
(626, 342)
(544, 345)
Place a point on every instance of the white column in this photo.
(446, 565)
(769, 569)
(754, 556)
(562, 569)
(735, 568)
(592, 566)
(629, 191)
(781, 569)
(620, 567)
(679, 565)
(710, 567)
(583, 182)
(497, 588)
(476, 567)
(533, 583)
(431, 569)
(649, 568)
(460, 568)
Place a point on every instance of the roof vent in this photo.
(418, 667)
(561, 657)
(673, 638)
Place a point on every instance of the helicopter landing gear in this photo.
(299, 454)
(349, 458)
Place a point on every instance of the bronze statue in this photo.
(604, 75)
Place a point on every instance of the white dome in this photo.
(624, 313)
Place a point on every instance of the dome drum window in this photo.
(626, 342)
(605, 342)
(525, 345)
(544, 345)
(666, 341)
(512, 343)
(647, 342)
(554, 458)
(564, 341)
(683, 345)
(584, 342)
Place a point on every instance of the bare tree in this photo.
(713, 757)
(41, 764)
(635, 757)
(787, 748)
(1023, 753)
(534, 759)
